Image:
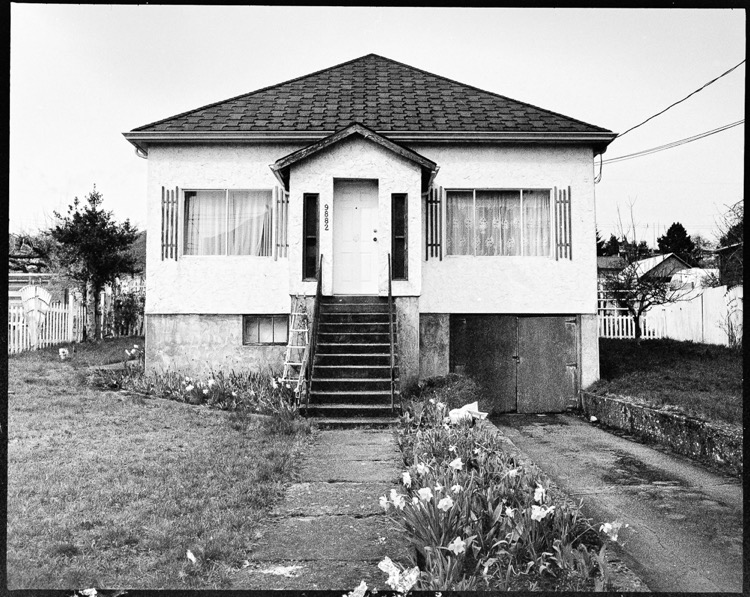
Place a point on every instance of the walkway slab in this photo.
(329, 532)
(685, 532)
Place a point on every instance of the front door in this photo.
(355, 237)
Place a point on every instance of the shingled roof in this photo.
(383, 95)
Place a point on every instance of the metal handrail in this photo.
(390, 329)
(308, 362)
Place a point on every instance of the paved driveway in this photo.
(685, 522)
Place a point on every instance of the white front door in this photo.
(355, 237)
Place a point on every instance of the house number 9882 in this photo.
(325, 216)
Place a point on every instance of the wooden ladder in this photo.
(299, 338)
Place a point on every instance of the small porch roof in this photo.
(281, 167)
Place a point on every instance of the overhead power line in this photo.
(639, 154)
(680, 101)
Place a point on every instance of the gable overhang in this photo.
(598, 141)
(281, 167)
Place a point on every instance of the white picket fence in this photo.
(712, 316)
(62, 324)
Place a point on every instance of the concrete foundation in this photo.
(197, 344)
(407, 317)
(434, 345)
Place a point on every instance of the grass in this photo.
(109, 490)
(701, 380)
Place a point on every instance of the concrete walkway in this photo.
(686, 523)
(329, 532)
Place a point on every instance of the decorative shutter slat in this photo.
(275, 216)
(169, 223)
(281, 211)
(434, 225)
(285, 223)
(563, 224)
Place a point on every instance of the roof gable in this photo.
(281, 166)
(382, 94)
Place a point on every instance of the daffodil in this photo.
(457, 546)
(451, 448)
(359, 591)
(445, 504)
(425, 494)
(456, 464)
(512, 473)
(438, 487)
(611, 529)
(205, 391)
(422, 469)
(189, 388)
(441, 406)
(456, 488)
(510, 512)
(539, 494)
(415, 500)
(211, 382)
(539, 513)
(383, 502)
(406, 479)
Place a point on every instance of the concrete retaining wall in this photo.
(685, 435)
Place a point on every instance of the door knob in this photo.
(375, 238)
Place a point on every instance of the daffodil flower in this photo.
(205, 391)
(441, 406)
(538, 513)
(445, 504)
(211, 382)
(451, 448)
(359, 591)
(457, 546)
(611, 529)
(422, 469)
(456, 489)
(189, 388)
(406, 479)
(415, 500)
(135, 346)
(425, 494)
(539, 494)
(456, 464)
(432, 401)
(384, 502)
(512, 473)
(510, 512)
(438, 487)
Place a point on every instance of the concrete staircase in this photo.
(351, 379)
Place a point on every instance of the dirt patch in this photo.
(628, 470)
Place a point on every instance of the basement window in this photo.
(265, 329)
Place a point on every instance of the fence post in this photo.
(70, 319)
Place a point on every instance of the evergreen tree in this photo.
(677, 241)
(601, 248)
(93, 250)
(613, 246)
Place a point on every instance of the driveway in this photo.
(685, 532)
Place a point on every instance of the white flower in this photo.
(88, 592)
(205, 391)
(457, 546)
(539, 494)
(211, 382)
(513, 473)
(359, 591)
(438, 487)
(451, 448)
(188, 380)
(397, 499)
(538, 513)
(127, 352)
(189, 388)
(611, 529)
(383, 502)
(445, 504)
(441, 406)
(415, 500)
(456, 489)
(234, 394)
(425, 494)
(510, 512)
(399, 581)
(456, 464)
(274, 385)
(135, 346)
(191, 557)
(432, 401)
(422, 469)
(406, 479)
(593, 419)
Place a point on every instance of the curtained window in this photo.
(228, 222)
(498, 223)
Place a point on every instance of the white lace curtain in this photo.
(498, 223)
(234, 223)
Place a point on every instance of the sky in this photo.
(80, 76)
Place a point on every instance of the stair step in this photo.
(349, 410)
(359, 348)
(349, 359)
(351, 371)
(354, 308)
(350, 384)
(355, 422)
(352, 298)
(355, 338)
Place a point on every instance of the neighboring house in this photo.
(661, 267)
(730, 264)
(484, 204)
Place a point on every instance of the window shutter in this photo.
(563, 233)
(434, 223)
(281, 203)
(169, 223)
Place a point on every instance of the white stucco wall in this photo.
(356, 157)
(212, 284)
(462, 284)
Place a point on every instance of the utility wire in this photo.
(644, 152)
(679, 102)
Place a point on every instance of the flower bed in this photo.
(477, 518)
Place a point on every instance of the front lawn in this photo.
(110, 490)
(702, 380)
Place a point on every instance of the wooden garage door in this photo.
(522, 364)
(546, 364)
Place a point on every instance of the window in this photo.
(310, 232)
(498, 223)
(398, 235)
(265, 329)
(225, 222)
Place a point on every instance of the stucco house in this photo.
(484, 207)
